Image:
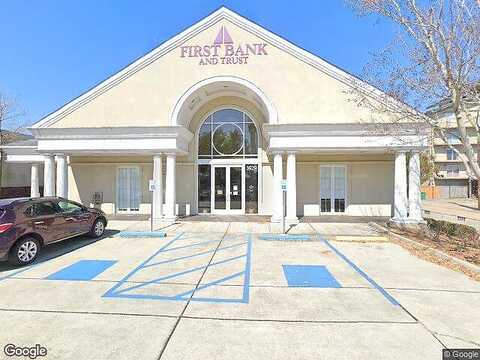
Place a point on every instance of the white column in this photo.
(400, 199)
(291, 189)
(158, 192)
(62, 176)
(277, 191)
(49, 176)
(414, 183)
(170, 189)
(34, 181)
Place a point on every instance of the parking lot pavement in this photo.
(213, 290)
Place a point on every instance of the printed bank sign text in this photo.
(223, 51)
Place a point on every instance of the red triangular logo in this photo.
(223, 37)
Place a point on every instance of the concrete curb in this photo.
(436, 252)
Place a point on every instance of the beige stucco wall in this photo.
(87, 175)
(370, 182)
(100, 175)
(300, 92)
(18, 175)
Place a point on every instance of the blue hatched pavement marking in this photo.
(194, 255)
(131, 273)
(113, 292)
(180, 273)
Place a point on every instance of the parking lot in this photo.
(230, 291)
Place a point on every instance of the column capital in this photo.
(277, 152)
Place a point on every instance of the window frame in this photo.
(36, 203)
(214, 126)
(451, 155)
(117, 195)
(332, 189)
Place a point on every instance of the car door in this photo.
(77, 218)
(46, 221)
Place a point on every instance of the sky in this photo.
(52, 51)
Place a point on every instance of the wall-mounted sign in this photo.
(223, 51)
(151, 185)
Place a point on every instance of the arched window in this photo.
(228, 133)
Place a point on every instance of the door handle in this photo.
(39, 222)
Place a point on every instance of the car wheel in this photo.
(25, 251)
(98, 228)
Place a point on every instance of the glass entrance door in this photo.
(228, 189)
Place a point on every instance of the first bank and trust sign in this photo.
(223, 51)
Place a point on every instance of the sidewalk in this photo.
(460, 211)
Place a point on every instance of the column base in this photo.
(168, 218)
(416, 221)
(275, 219)
(406, 221)
(292, 221)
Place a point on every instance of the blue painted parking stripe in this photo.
(194, 255)
(82, 270)
(160, 279)
(114, 292)
(216, 282)
(248, 264)
(18, 272)
(142, 234)
(285, 237)
(190, 245)
(389, 297)
(110, 292)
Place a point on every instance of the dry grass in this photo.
(453, 247)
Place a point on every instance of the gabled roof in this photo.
(176, 41)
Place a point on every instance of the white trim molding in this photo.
(118, 140)
(184, 103)
(343, 137)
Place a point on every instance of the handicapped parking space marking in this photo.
(316, 276)
(82, 270)
(119, 291)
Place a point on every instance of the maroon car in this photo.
(28, 224)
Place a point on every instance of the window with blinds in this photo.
(128, 189)
(333, 186)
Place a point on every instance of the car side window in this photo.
(44, 208)
(29, 211)
(68, 207)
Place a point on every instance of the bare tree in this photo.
(9, 115)
(434, 58)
